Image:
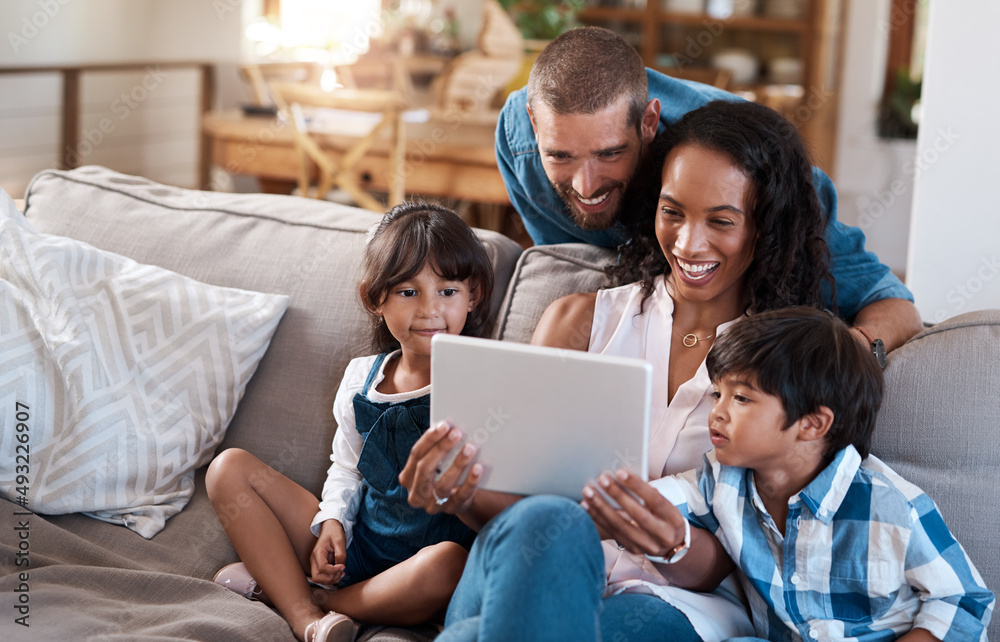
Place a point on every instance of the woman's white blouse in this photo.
(678, 439)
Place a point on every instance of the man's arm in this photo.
(892, 320)
(867, 290)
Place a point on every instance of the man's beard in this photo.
(599, 221)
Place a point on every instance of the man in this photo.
(569, 144)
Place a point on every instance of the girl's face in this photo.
(427, 304)
(704, 226)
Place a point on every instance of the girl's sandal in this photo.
(332, 627)
(237, 578)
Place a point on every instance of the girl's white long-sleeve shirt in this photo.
(342, 490)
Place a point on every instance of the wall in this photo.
(874, 176)
(955, 232)
(150, 116)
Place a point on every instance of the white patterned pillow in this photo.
(118, 379)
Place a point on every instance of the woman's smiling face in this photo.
(704, 225)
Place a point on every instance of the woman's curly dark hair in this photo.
(791, 263)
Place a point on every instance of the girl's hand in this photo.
(647, 523)
(443, 495)
(329, 554)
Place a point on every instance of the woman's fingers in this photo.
(642, 523)
(431, 485)
(610, 520)
(600, 512)
(658, 518)
(434, 440)
(453, 487)
(424, 458)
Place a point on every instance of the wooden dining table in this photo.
(451, 158)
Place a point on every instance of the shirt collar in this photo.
(824, 495)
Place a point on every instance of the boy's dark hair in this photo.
(586, 70)
(410, 235)
(791, 259)
(807, 358)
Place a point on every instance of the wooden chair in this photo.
(466, 88)
(384, 72)
(295, 99)
(259, 75)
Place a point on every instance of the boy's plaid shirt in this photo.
(865, 556)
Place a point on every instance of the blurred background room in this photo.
(892, 97)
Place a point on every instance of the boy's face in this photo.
(747, 425)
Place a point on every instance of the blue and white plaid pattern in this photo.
(865, 556)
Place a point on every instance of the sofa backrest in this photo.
(939, 427)
(542, 275)
(304, 248)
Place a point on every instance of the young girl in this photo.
(369, 555)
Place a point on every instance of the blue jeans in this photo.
(536, 572)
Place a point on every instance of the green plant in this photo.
(543, 19)
(895, 118)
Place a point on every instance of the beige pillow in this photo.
(119, 379)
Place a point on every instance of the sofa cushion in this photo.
(125, 376)
(543, 274)
(938, 428)
(306, 249)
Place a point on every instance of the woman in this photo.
(737, 230)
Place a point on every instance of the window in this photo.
(329, 32)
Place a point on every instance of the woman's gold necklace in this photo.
(690, 340)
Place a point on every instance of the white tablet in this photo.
(546, 420)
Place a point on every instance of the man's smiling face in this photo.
(590, 159)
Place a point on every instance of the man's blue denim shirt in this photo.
(861, 279)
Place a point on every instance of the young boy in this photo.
(831, 544)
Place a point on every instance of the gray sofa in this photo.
(93, 580)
